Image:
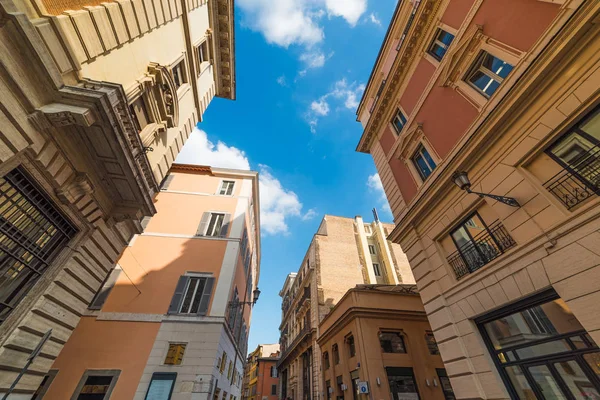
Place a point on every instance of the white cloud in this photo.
(373, 18)
(298, 22)
(277, 204)
(347, 95)
(313, 59)
(350, 10)
(376, 187)
(199, 150)
(320, 107)
(310, 214)
(282, 81)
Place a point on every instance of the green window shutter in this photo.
(107, 285)
(225, 226)
(178, 295)
(203, 309)
(203, 224)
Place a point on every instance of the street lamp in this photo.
(461, 179)
(237, 303)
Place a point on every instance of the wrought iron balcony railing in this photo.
(305, 296)
(582, 181)
(485, 247)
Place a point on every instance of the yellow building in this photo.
(97, 100)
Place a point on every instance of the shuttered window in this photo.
(192, 295)
(214, 224)
(175, 354)
(227, 188)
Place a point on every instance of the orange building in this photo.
(262, 379)
(173, 316)
(376, 343)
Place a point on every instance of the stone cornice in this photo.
(222, 23)
(399, 71)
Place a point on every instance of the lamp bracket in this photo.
(502, 199)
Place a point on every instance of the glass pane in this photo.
(581, 154)
(578, 342)
(198, 296)
(437, 51)
(546, 382)
(578, 383)
(422, 166)
(480, 80)
(535, 323)
(592, 126)
(185, 307)
(519, 381)
(543, 349)
(428, 158)
(445, 37)
(496, 65)
(593, 360)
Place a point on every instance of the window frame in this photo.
(374, 251)
(477, 66)
(399, 113)
(203, 56)
(351, 344)
(420, 151)
(399, 333)
(162, 376)
(273, 390)
(184, 344)
(221, 187)
(335, 351)
(326, 362)
(215, 215)
(430, 344)
(114, 373)
(181, 62)
(435, 41)
(44, 386)
(377, 269)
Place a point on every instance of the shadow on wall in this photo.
(146, 290)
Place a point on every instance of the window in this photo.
(403, 384)
(399, 121)
(179, 74)
(351, 346)
(34, 232)
(217, 394)
(477, 244)
(423, 162)
(161, 386)
(445, 384)
(230, 370)
(553, 355)
(45, 385)
(139, 111)
(214, 224)
(274, 372)
(107, 285)
(192, 295)
(226, 188)
(96, 385)
(223, 362)
(372, 249)
(487, 73)
(431, 343)
(440, 44)
(367, 229)
(175, 354)
(326, 360)
(203, 52)
(578, 152)
(224, 395)
(273, 390)
(336, 354)
(392, 342)
(376, 269)
(328, 389)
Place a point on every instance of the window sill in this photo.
(183, 89)
(203, 67)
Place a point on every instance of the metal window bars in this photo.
(486, 246)
(32, 233)
(579, 181)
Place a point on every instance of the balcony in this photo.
(303, 333)
(579, 182)
(304, 298)
(484, 247)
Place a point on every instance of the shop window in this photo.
(541, 349)
(392, 342)
(440, 44)
(578, 153)
(477, 244)
(175, 354)
(34, 232)
(487, 73)
(423, 162)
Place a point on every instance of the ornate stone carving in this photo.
(60, 115)
(75, 188)
(164, 91)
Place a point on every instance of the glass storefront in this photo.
(542, 351)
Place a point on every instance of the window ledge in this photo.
(183, 89)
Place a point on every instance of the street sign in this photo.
(363, 387)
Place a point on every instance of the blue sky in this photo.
(301, 67)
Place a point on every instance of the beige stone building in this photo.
(344, 252)
(97, 100)
(482, 119)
